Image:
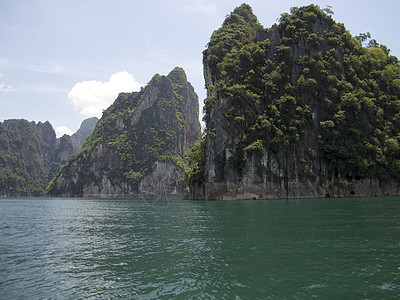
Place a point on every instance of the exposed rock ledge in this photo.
(296, 190)
(164, 181)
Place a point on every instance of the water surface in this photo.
(166, 248)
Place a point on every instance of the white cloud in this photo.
(91, 97)
(6, 88)
(61, 130)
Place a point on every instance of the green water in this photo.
(176, 249)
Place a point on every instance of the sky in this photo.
(63, 61)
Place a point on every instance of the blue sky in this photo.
(63, 60)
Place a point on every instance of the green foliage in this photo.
(256, 146)
(274, 89)
(196, 158)
(239, 28)
(26, 157)
(132, 176)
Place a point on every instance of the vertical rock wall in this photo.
(137, 147)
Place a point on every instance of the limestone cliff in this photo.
(67, 146)
(138, 145)
(301, 109)
(30, 154)
(86, 128)
(26, 157)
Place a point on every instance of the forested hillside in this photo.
(30, 155)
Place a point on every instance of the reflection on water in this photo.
(166, 248)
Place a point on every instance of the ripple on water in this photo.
(53, 248)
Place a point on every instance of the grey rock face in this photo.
(294, 170)
(82, 133)
(137, 147)
(30, 154)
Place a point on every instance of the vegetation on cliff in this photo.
(25, 157)
(156, 124)
(306, 74)
(30, 155)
